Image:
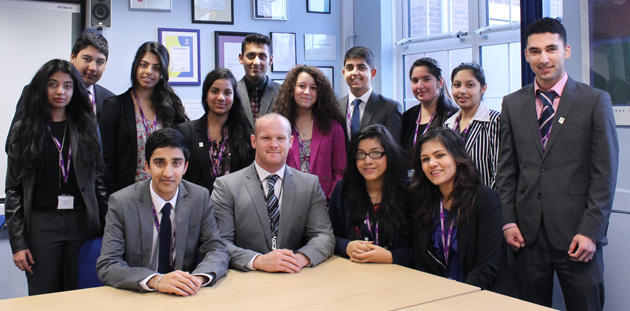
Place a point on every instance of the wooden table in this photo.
(334, 284)
(479, 301)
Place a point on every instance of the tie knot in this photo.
(166, 210)
(271, 179)
(356, 103)
(547, 97)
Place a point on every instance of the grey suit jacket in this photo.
(126, 251)
(244, 223)
(571, 183)
(378, 110)
(267, 101)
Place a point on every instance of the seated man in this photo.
(272, 217)
(144, 251)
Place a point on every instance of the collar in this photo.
(262, 173)
(364, 98)
(482, 115)
(558, 87)
(91, 89)
(259, 87)
(158, 202)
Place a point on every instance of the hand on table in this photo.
(177, 283)
(280, 260)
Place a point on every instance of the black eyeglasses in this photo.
(375, 155)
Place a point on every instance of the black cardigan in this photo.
(479, 242)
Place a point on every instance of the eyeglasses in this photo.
(375, 155)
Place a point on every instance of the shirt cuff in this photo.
(206, 275)
(250, 264)
(143, 283)
(508, 226)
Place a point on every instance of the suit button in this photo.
(544, 169)
(538, 195)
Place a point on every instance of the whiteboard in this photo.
(32, 33)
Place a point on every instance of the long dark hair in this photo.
(168, 107)
(325, 109)
(392, 211)
(239, 128)
(445, 107)
(466, 180)
(33, 131)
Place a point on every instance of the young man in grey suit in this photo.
(89, 55)
(556, 177)
(272, 217)
(363, 106)
(257, 91)
(158, 230)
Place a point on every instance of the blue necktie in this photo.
(356, 118)
(547, 114)
(272, 204)
(164, 258)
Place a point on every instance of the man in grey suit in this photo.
(158, 230)
(556, 177)
(272, 217)
(256, 90)
(363, 106)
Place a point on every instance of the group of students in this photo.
(416, 189)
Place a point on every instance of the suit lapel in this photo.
(182, 221)
(566, 103)
(97, 94)
(528, 106)
(203, 152)
(316, 141)
(288, 195)
(242, 92)
(254, 188)
(145, 214)
(295, 149)
(370, 109)
(343, 104)
(265, 101)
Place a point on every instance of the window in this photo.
(456, 31)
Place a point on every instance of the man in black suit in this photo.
(363, 106)
(556, 177)
(89, 56)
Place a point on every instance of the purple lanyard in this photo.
(369, 226)
(65, 169)
(157, 226)
(348, 116)
(302, 150)
(145, 122)
(446, 239)
(216, 165)
(465, 132)
(415, 136)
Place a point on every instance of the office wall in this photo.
(130, 28)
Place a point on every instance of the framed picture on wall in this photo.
(319, 47)
(283, 50)
(227, 47)
(183, 48)
(160, 5)
(271, 9)
(329, 72)
(318, 6)
(213, 11)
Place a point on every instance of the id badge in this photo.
(65, 202)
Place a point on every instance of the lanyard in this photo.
(369, 226)
(65, 168)
(446, 239)
(415, 136)
(216, 165)
(157, 226)
(302, 150)
(465, 132)
(145, 122)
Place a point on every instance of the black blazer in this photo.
(339, 211)
(409, 119)
(120, 146)
(378, 110)
(479, 242)
(199, 165)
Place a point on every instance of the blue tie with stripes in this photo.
(546, 116)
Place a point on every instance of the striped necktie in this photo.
(273, 205)
(546, 116)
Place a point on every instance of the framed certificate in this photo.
(183, 49)
(271, 9)
(213, 11)
(283, 50)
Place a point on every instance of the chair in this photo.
(89, 252)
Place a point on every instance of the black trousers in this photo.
(582, 283)
(55, 238)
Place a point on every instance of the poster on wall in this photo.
(183, 49)
(227, 47)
